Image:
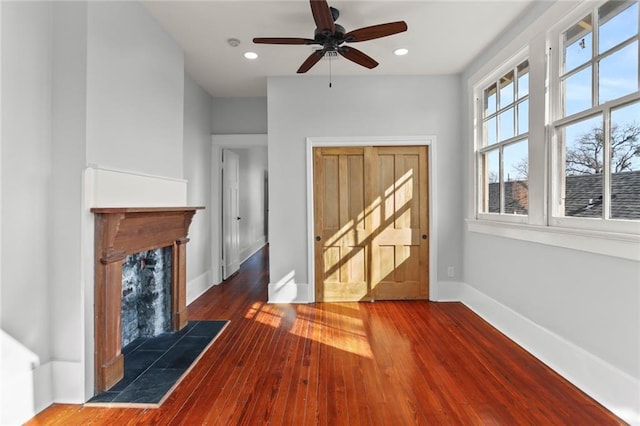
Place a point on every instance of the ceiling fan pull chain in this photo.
(330, 59)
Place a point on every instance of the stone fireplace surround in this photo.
(119, 232)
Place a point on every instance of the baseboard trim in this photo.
(197, 286)
(447, 291)
(68, 382)
(286, 291)
(57, 382)
(253, 249)
(614, 389)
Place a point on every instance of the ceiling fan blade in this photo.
(323, 17)
(376, 31)
(283, 40)
(357, 56)
(310, 61)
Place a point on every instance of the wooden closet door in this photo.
(400, 248)
(341, 251)
(371, 223)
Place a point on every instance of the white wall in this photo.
(354, 107)
(577, 311)
(233, 116)
(253, 169)
(68, 159)
(135, 91)
(26, 170)
(197, 171)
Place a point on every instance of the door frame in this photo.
(429, 141)
(218, 143)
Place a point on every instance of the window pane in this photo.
(578, 44)
(491, 131)
(506, 89)
(583, 142)
(618, 21)
(619, 73)
(490, 99)
(577, 92)
(625, 162)
(491, 169)
(523, 117)
(523, 79)
(516, 184)
(507, 124)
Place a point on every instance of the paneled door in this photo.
(230, 213)
(371, 223)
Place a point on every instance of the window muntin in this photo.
(503, 152)
(598, 125)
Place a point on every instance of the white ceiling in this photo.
(443, 37)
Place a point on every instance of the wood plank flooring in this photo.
(382, 363)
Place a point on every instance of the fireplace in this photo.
(124, 231)
(146, 294)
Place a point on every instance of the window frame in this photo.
(481, 147)
(558, 120)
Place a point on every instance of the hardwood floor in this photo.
(382, 363)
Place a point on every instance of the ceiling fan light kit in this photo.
(333, 37)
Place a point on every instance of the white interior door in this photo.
(230, 214)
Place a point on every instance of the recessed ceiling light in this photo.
(401, 52)
(250, 55)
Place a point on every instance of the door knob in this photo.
(318, 238)
(424, 236)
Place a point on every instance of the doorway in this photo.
(371, 223)
(230, 213)
(243, 227)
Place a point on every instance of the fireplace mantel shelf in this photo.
(115, 210)
(120, 231)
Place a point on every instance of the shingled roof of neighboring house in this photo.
(583, 196)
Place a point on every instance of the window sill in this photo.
(625, 246)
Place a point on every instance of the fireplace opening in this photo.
(146, 294)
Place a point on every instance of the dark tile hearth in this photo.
(153, 365)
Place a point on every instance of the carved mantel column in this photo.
(118, 233)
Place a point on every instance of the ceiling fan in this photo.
(332, 37)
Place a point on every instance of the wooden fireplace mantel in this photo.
(121, 231)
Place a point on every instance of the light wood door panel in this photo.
(370, 206)
(341, 250)
(399, 250)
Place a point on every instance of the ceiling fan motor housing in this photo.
(330, 41)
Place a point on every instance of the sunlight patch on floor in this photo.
(339, 331)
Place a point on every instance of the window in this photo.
(556, 131)
(597, 124)
(503, 144)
